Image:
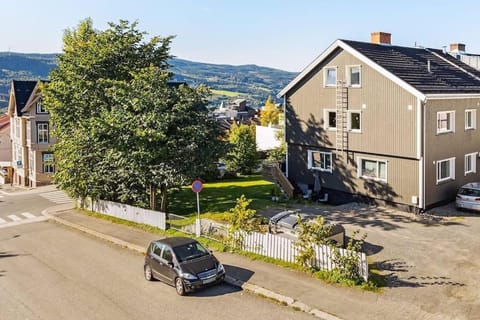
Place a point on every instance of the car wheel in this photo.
(148, 273)
(179, 286)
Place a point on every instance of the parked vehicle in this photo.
(286, 222)
(468, 197)
(183, 263)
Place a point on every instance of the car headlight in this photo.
(188, 276)
(220, 268)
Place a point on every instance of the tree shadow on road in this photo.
(392, 271)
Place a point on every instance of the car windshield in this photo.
(190, 251)
(469, 192)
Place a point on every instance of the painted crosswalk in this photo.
(56, 197)
(21, 218)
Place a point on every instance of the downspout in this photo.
(285, 132)
(423, 107)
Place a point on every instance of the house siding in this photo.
(388, 132)
(449, 145)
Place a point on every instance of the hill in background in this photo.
(227, 82)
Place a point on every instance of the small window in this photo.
(47, 162)
(354, 76)
(330, 117)
(157, 249)
(354, 121)
(470, 119)
(445, 170)
(470, 163)
(42, 132)
(167, 254)
(330, 77)
(40, 107)
(372, 169)
(320, 160)
(445, 121)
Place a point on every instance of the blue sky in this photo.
(275, 33)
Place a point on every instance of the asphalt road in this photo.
(26, 207)
(48, 271)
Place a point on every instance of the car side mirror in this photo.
(170, 264)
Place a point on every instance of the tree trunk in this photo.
(163, 198)
(153, 198)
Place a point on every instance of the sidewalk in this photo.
(293, 288)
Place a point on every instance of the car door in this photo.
(155, 259)
(166, 265)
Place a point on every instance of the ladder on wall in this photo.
(341, 135)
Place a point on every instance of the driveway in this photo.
(431, 261)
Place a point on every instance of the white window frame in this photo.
(43, 129)
(39, 107)
(48, 168)
(348, 71)
(326, 118)
(473, 118)
(451, 175)
(473, 163)
(377, 178)
(350, 120)
(325, 73)
(451, 122)
(322, 154)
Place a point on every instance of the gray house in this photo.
(393, 124)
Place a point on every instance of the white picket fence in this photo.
(277, 247)
(130, 213)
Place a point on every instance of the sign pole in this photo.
(197, 224)
(197, 186)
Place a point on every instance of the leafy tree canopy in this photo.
(242, 156)
(270, 113)
(122, 127)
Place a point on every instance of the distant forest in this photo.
(227, 82)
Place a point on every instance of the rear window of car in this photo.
(469, 192)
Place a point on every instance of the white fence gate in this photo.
(273, 246)
(130, 213)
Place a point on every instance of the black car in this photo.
(182, 262)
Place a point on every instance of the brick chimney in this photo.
(381, 38)
(457, 47)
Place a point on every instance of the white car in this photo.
(468, 197)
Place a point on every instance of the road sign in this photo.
(197, 186)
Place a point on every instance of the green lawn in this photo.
(225, 93)
(219, 196)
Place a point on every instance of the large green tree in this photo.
(124, 130)
(242, 156)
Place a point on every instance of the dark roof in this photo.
(411, 65)
(23, 90)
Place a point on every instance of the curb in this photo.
(248, 286)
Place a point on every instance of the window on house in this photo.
(470, 163)
(330, 77)
(445, 121)
(470, 119)
(330, 117)
(31, 162)
(17, 127)
(29, 130)
(372, 169)
(47, 162)
(353, 76)
(354, 121)
(320, 160)
(445, 170)
(42, 132)
(18, 154)
(40, 107)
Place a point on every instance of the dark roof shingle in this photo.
(23, 90)
(446, 75)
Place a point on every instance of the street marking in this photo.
(3, 221)
(14, 217)
(28, 215)
(56, 196)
